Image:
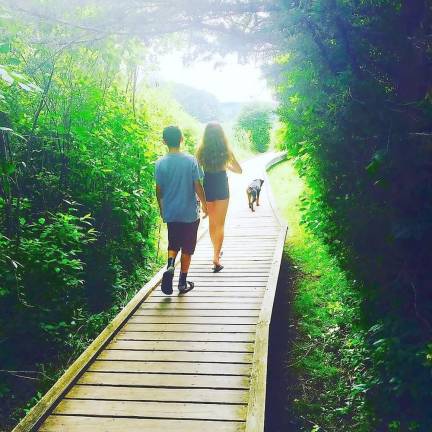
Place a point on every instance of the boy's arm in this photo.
(159, 198)
(201, 195)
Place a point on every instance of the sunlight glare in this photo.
(227, 79)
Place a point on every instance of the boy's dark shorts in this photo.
(183, 235)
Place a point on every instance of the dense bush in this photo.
(77, 214)
(255, 120)
(316, 329)
(357, 114)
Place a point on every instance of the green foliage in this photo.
(239, 141)
(255, 120)
(78, 220)
(330, 350)
(357, 124)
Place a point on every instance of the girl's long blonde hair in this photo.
(214, 153)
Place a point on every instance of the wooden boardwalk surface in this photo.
(186, 363)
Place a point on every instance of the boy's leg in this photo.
(172, 255)
(188, 248)
(185, 262)
(173, 248)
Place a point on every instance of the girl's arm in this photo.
(233, 165)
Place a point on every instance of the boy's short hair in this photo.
(172, 136)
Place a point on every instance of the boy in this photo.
(177, 186)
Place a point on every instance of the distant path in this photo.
(184, 363)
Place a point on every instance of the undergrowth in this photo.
(328, 355)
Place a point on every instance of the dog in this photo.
(253, 192)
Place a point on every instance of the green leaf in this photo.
(5, 46)
(5, 76)
(8, 168)
(25, 87)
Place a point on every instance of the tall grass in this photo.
(328, 354)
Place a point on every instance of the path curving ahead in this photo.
(185, 363)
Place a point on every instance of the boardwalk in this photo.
(186, 363)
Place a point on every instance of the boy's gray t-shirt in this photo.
(175, 175)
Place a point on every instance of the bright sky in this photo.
(229, 81)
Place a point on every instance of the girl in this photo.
(216, 157)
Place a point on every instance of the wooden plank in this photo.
(235, 255)
(168, 319)
(192, 368)
(176, 356)
(191, 298)
(182, 346)
(227, 275)
(229, 245)
(253, 259)
(137, 409)
(237, 246)
(217, 292)
(236, 262)
(225, 292)
(158, 394)
(198, 312)
(234, 283)
(227, 272)
(257, 248)
(232, 266)
(224, 280)
(175, 306)
(243, 233)
(243, 263)
(236, 271)
(185, 336)
(197, 328)
(93, 424)
(165, 380)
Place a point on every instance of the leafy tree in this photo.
(78, 140)
(356, 107)
(255, 120)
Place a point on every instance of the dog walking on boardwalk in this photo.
(253, 193)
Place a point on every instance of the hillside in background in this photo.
(203, 105)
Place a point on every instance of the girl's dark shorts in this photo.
(216, 185)
(183, 235)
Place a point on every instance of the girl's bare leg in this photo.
(217, 211)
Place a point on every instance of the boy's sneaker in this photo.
(188, 286)
(167, 281)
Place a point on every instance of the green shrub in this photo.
(78, 218)
(357, 124)
(255, 120)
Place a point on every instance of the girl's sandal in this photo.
(217, 268)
